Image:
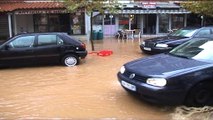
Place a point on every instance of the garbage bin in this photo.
(94, 35)
(100, 35)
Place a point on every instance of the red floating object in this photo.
(102, 53)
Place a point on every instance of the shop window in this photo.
(41, 23)
(51, 22)
(54, 23)
(77, 23)
(149, 24)
(98, 22)
(163, 23)
(124, 22)
(109, 20)
(177, 21)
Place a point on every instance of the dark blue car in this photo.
(182, 76)
(167, 43)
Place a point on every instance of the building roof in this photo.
(12, 6)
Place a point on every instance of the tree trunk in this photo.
(91, 32)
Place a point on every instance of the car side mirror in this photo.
(6, 47)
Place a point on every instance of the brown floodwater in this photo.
(87, 91)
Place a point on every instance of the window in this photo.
(163, 23)
(77, 22)
(109, 20)
(177, 21)
(49, 40)
(203, 33)
(123, 21)
(22, 42)
(51, 22)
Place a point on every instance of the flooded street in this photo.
(87, 91)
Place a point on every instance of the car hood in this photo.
(166, 39)
(163, 65)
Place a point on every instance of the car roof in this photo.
(196, 27)
(207, 27)
(41, 33)
(191, 27)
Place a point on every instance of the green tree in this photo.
(202, 7)
(90, 6)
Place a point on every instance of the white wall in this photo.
(24, 23)
(87, 25)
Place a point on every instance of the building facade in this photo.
(39, 16)
(151, 18)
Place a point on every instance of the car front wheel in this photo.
(70, 60)
(200, 95)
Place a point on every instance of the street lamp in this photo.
(201, 20)
(110, 16)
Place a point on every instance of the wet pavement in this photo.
(87, 91)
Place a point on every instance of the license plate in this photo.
(128, 86)
(146, 48)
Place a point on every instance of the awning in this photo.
(154, 11)
(9, 7)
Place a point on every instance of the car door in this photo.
(48, 48)
(20, 50)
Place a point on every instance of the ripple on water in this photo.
(193, 113)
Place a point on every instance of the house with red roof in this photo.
(18, 16)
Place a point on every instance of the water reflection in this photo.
(87, 91)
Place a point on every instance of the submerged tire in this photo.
(70, 60)
(200, 95)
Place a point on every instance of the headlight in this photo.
(162, 45)
(143, 43)
(122, 70)
(156, 81)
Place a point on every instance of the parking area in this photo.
(87, 91)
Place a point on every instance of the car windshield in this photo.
(197, 48)
(183, 32)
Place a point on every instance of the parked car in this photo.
(31, 48)
(167, 43)
(181, 76)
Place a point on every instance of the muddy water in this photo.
(87, 91)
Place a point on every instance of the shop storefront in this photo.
(51, 21)
(21, 17)
(151, 18)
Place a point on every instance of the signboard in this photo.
(149, 5)
(27, 12)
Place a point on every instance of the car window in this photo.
(44, 40)
(22, 42)
(199, 49)
(183, 32)
(203, 33)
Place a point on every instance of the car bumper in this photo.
(155, 49)
(81, 54)
(158, 95)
